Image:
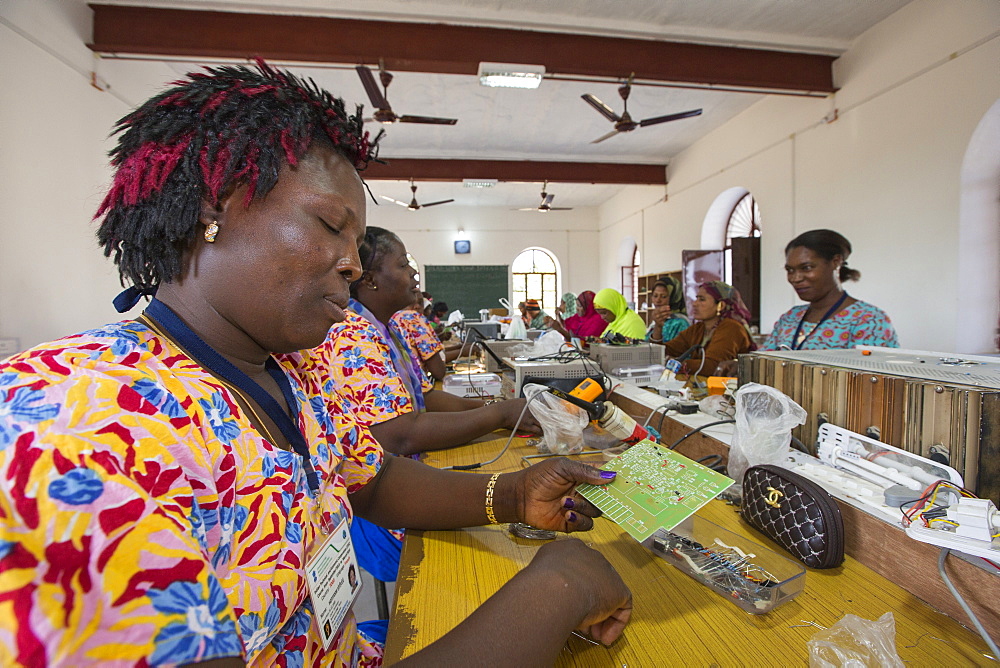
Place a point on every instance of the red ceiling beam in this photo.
(516, 170)
(447, 49)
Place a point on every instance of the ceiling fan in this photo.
(546, 204)
(624, 123)
(413, 205)
(383, 112)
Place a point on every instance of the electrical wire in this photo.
(715, 460)
(469, 467)
(668, 406)
(700, 366)
(965, 606)
(927, 503)
(802, 447)
(696, 430)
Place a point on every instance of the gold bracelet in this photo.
(489, 498)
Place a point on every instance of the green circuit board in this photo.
(655, 488)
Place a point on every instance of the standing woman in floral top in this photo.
(816, 267)
(167, 479)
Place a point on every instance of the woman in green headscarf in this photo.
(567, 309)
(611, 306)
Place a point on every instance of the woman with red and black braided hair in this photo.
(170, 480)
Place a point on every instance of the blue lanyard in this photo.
(206, 356)
(796, 344)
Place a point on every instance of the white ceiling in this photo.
(550, 123)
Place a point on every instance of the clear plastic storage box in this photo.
(741, 571)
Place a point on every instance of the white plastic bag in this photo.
(764, 420)
(548, 343)
(562, 423)
(517, 330)
(719, 406)
(454, 318)
(855, 642)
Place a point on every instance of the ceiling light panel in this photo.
(509, 75)
(479, 183)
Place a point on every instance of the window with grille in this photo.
(744, 221)
(535, 276)
(416, 267)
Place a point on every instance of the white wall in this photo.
(497, 236)
(53, 277)
(886, 173)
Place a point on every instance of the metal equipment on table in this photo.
(938, 405)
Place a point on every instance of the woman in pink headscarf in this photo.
(586, 323)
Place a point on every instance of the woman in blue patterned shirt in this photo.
(816, 266)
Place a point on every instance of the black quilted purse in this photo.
(796, 513)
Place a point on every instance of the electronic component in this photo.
(923, 402)
(643, 376)
(967, 524)
(522, 530)
(474, 385)
(655, 488)
(878, 462)
(749, 575)
(611, 357)
(491, 353)
(548, 368)
(588, 390)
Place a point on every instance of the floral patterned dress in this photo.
(361, 367)
(144, 521)
(418, 332)
(859, 324)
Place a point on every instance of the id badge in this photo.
(334, 581)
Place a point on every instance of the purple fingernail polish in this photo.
(572, 517)
(568, 503)
(608, 475)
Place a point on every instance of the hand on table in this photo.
(606, 600)
(544, 494)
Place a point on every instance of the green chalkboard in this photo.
(467, 287)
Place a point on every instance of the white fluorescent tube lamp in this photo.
(479, 183)
(508, 75)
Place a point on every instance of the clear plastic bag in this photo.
(517, 329)
(562, 423)
(855, 642)
(548, 343)
(719, 406)
(764, 420)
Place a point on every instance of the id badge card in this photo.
(334, 581)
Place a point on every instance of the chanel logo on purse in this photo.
(772, 497)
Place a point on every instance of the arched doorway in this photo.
(977, 328)
(535, 275)
(730, 242)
